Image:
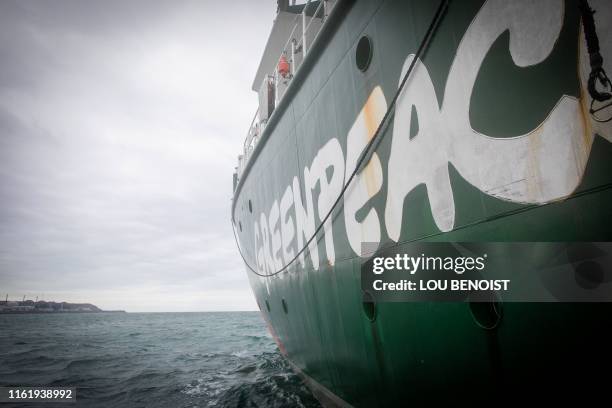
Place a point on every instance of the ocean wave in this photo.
(274, 391)
(241, 353)
(228, 359)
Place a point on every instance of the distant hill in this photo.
(30, 306)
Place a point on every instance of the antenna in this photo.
(23, 298)
(7, 298)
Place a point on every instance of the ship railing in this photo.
(306, 27)
(252, 135)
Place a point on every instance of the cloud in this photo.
(120, 123)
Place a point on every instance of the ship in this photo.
(396, 121)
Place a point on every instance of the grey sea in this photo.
(224, 359)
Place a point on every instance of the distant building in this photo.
(16, 307)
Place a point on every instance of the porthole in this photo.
(284, 303)
(363, 53)
(589, 274)
(267, 305)
(487, 315)
(369, 306)
(250, 207)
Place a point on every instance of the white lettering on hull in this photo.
(543, 165)
(369, 181)
(526, 168)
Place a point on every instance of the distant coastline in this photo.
(41, 306)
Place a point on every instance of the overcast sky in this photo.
(120, 123)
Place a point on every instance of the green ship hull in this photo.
(490, 140)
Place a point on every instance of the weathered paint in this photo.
(466, 175)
